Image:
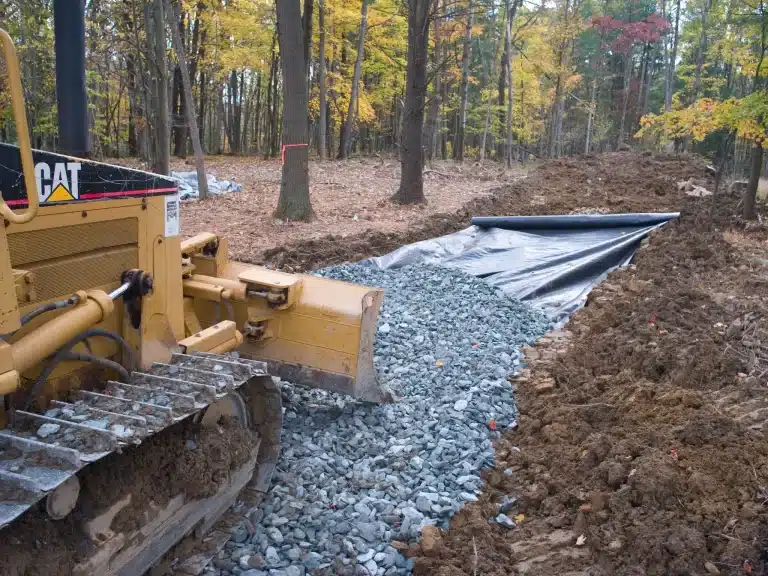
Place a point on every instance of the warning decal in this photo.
(171, 216)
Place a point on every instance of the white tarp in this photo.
(188, 187)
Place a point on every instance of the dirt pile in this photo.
(643, 438)
(619, 182)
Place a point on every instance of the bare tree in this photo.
(162, 132)
(294, 202)
(489, 104)
(346, 131)
(435, 99)
(321, 135)
(458, 152)
(174, 20)
(510, 13)
(669, 86)
(411, 190)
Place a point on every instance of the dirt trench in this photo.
(643, 437)
(643, 434)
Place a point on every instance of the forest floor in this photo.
(348, 197)
(642, 445)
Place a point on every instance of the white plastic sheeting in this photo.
(189, 188)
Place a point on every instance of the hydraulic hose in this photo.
(66, 353)
(103, 362)
(50, 307)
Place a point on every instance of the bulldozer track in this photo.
(40, 453)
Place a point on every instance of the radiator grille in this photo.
(40, 245)
(73, 258)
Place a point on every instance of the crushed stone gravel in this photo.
(355, 476)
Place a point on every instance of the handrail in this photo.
(22, 131)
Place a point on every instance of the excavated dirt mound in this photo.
(183, 457)
(619, 182)
(642, 445)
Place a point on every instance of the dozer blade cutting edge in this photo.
(324, 339)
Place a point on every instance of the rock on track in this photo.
(354, 476)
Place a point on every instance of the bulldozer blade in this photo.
(324, 339)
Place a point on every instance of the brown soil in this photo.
(153, 472)
(620, 182)
(643, 438)
(348, 198)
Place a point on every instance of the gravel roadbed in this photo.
(354, 476)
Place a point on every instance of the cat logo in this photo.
(62, 187)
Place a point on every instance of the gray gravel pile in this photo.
(355, 476)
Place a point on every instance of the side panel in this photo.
(81, 246)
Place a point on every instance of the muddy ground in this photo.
(643, 439)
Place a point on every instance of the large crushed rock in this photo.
(355, 476)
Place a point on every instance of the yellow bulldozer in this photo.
(117, 336)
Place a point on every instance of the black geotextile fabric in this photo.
(550, 261)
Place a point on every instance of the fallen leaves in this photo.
(348, 197)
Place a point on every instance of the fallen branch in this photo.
(443, 174)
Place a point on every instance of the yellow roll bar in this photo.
(22, 131)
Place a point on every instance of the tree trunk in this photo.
(433, 114)
(177, 118)
(130, 69)
(294, 202)
(275, 120)
(722, 162)
(198, 62)
(201, 109)
(346, 131)
(510, 13)
(245, 147)
(411, 190)
(270, 109)
(649, 70)
(430, 126)
(556, 119)
(702, 48)
(202, 181)
(625, 93)
(489, 104)
(306, 26)
(501, 148)
(257, 114)
(458, 148)
(441, 143)
(670, 84)
(194, 55)
(150, 87)
(163, 153)
(238, 129)
(755, 170)
(322, 122)
(590, 118)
